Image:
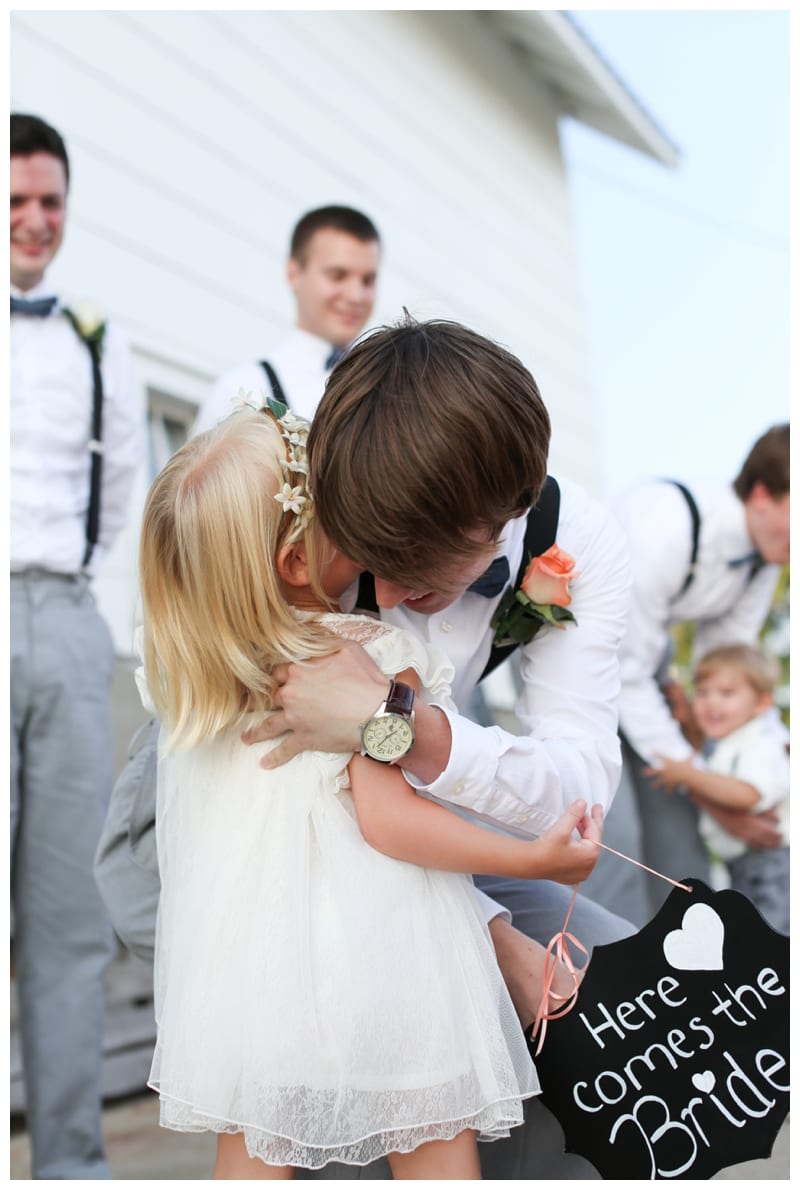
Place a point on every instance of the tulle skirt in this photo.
(330, 1003)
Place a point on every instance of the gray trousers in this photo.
(763, 877)
(61, 774)
(535, 1150)
(652, 826)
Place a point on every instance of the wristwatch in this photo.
(389, 733)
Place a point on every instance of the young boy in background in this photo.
(748, 769)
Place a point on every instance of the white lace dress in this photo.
(327, 1001)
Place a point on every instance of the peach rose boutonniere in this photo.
(543, 598)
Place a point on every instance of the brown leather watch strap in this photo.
(400, 699)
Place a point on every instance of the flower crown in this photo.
(293, 495)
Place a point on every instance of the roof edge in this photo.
(595, 95)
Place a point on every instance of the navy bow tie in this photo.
(493, 580)
(753, 560)
(35, 308)
(334, 357)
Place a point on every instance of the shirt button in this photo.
(446, 626)
(459, 787)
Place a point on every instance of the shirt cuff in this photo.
(491, 909)
(470, 779)
(468, 769)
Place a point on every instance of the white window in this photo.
(169, 420)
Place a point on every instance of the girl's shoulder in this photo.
(394, 649)
(362, 629)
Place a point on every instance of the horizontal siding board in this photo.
(458, 225)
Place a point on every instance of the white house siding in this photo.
(198, 138)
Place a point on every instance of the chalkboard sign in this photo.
(674, 1062)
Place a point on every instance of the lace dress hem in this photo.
(493, 1121)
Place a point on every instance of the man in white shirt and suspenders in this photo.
(76, 442)
(709, 555)
(332, 271)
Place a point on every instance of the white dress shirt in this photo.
(570, 684)
(756, 754)
(300, 364)
(726, 604)
(51, 425)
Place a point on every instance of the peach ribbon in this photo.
(557, 951)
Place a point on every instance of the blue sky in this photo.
(686, 271)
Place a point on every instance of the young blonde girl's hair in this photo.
(216, 619)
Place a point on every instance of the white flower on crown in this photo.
(248, 400)
(291, 499)
(292, 496)
(293, 422)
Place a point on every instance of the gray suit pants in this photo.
(61, 774)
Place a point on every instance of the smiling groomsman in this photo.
(332, 271)
(76, 442)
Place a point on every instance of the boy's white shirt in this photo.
(756, 754)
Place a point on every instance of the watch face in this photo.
(388, 737)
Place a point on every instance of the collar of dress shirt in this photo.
(309, 346)
(734, 540)
(510, 544)
(747, 733)
(42, 290)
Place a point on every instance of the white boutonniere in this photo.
(543, 598)
(88, 321)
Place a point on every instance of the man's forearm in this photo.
(522, 963)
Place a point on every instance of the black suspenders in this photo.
(274, 382)
(694, 513)
(96, 449)
(540, 534)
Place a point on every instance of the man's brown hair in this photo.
(767, 463)
(32, 134)
(346, 219)
(427, 433)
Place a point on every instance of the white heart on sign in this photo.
(704, 1082)
(697, 946)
